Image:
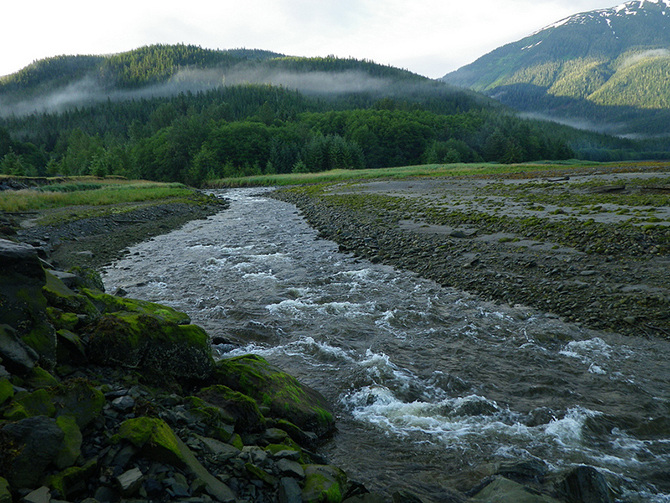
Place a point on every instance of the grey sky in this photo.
(429, 37)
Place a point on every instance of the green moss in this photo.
(281, 393)
(5, 492)
(113, 304)
(71, 447)
(40, 378)
(155, 437)
(79, 399)
(38, 403)
(72, 479)
(323, 484)
(6, 390)
(62, 320)
(243, 409)
(261, 474)
(60, 296)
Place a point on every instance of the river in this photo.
(432, 387)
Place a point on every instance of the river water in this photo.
(432, 387)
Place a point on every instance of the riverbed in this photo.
(433, 387)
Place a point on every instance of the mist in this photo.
(88, 91)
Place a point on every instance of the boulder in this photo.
(323, 484)
(23, 303)
(142, 341)
(585, 483)
(241, 408)
(113, 304)
(285, 397)
(70, 449)
(16, 355)
(503, 490)
(5, 493)
(38, 440)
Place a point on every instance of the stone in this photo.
(72, 481)
(39, 440)
(281, 393)
(290, 468)
(289, 491)
(123, 403)
(23, 303)
(16, 356)
(157, 441)
(79, 399)
(219, 450)
(323, 484)
(244, 410)
(129, 482)
(142, 341)
(585, 483)
(5, 493)
(41, 495)
(71, 446)
(503, 490)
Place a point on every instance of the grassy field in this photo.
(428, 170)
(88, 191)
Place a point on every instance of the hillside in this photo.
(609, 66)
(187, 114)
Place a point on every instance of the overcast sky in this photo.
(429, 37)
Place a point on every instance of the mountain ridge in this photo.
(608, 58)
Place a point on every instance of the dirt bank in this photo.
(590, 247)
(98, 240)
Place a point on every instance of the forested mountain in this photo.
(609, 67)
(182, 113)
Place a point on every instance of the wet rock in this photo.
(39, 440)
(289, 491)
(142, 341)
(123, 403)
(129, 482)
(585, 483)
(22, 300)
(240, 407)
(323, 483)
(16, 356)
(531, 470)
(502, 490)
(290, 468)
(71, 446)
(283, 394)
(73, 481)
(41, 495)
(5, 493)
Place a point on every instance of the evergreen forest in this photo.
(228, 125)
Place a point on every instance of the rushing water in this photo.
(431, 385)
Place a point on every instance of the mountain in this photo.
(61, 83)
(610, 67)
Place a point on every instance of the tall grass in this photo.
(97, 193)
(428, 170)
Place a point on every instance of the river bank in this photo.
(589, 247)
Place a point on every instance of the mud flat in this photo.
(590, 246)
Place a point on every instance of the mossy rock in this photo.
(157, 441)
(71, 446)
(62, 320)
(79, 399)
(6, 390)
(25, 405)
(243, 409)
(323, 484)
(40, 378)
(88, 278)
(112, 304)
(73, 480)
(142, 341)
(218, 423)
(70, 347)
(5, 492)
(60, 296)
(281, 393)
(76, 398)
(23, 304)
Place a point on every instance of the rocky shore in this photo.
(599, 259)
